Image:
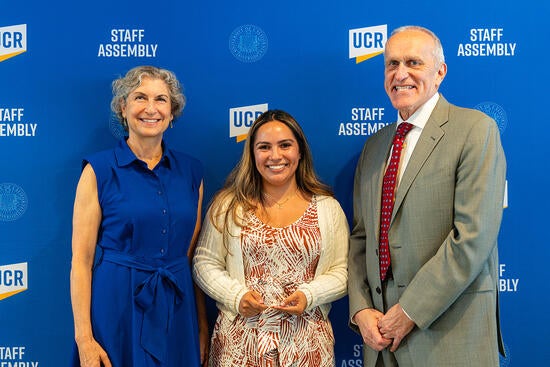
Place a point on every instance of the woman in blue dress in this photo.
(137, 213)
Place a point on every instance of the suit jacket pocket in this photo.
(484, 282)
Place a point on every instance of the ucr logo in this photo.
(365, 43)
(13, 41)
(13, 279)
(241, 118)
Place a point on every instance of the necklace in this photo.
(280, 204)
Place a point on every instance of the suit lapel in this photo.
(429, 138)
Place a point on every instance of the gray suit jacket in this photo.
(443, 238)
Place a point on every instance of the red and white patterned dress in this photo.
(276, 262)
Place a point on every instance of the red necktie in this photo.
(388, 196)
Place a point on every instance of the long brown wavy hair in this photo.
(242, 191)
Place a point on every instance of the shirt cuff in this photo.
(406, 314)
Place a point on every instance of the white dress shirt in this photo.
(418, 119)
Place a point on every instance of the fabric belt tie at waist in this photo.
(156, 296)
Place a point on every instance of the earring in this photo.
(171, 124)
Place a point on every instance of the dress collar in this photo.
(125, 156)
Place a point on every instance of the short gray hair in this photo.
(438, 50)
(123, 86)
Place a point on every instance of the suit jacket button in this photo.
(378, 290)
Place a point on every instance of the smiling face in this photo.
(147, 109)
(276, 154)
(412, 73)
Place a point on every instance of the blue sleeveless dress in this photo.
(143, 306)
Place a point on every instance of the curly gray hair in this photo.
(123, 86)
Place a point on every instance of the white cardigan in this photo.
(219, 271)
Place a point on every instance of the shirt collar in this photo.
(125, 156)
(421, 116)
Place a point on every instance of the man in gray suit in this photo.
(438, 303)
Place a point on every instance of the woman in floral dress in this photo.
(273, 254)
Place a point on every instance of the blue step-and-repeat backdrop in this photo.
(319, 60)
